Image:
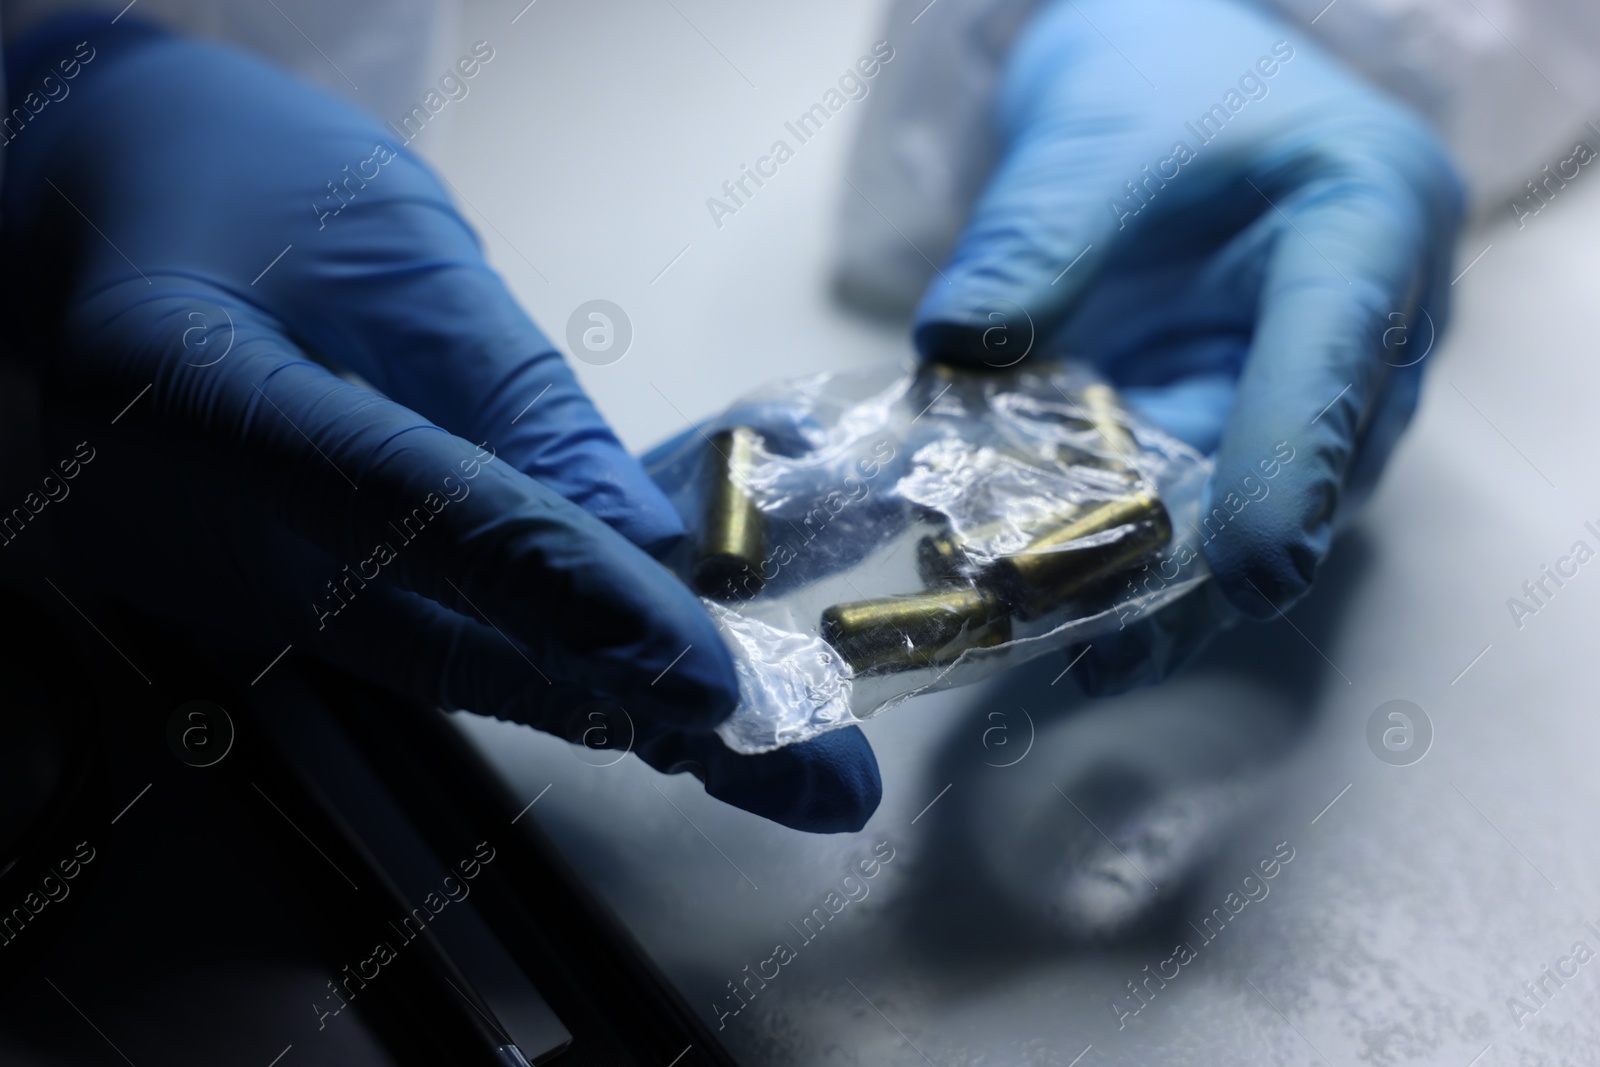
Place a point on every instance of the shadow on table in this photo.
(1098, 835)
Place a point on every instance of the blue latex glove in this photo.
(467, 531)
(1254, 297)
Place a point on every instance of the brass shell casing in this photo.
(924, 630)
(1050, 571)
(1108, 416)
(733, 534)
(1104, 409)
(941, 559)
(947, 557)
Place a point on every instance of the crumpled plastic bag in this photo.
(861, 538)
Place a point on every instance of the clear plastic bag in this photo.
(862, 538)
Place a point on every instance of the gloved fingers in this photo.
(827, 785)
(368, 480)
(1172, 335)
(1098, 168)
(345, 238)
(398, 499)
(1193, 410)
(1390, 416)
(423, 650)
(1034, 243)
(1041, 231)
(416, 647)
(1405, 347)
(1170, 313)
(425, 319)
(1356, 250)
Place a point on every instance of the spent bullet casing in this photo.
(923, 630)
(733, 535)
(1105, 414)
(1068, 561)
(941, 559)
(947, 556)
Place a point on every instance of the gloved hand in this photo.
(1261, 235)
(199, 243)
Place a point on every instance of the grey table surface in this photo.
(1419, 899)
